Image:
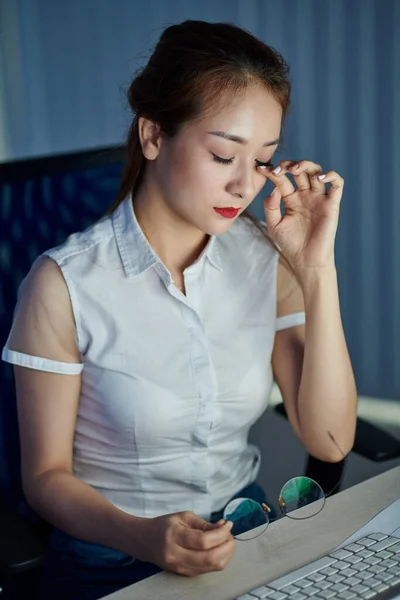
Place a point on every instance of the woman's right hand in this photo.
(185, 543)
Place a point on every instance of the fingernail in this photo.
(321, 176)
(277, 170)
(274, 190)
(295, 167)
(230, 524)
(221, 522)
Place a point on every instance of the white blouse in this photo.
(171, 384)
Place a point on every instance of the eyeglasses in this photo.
(300, 498)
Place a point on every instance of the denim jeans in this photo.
(77, 570)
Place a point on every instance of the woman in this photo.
(145, 347)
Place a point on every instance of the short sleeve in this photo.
(290, 300)
(43, 334)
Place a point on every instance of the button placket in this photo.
(205, 380)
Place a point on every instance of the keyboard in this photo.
(368, 568)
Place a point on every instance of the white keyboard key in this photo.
(365, 575)
(382, 588)
(353, 559)
(339, 587)
(359, 588)
(298, 596)
(377, 536)
(354, 547)
(326, 594)
(262, 592)
(341, 564)
(277, 596)
(383, 554)
(366, 542)
(362, 566)
(303, 583)
(372, 583)
(369, 594)
(245, 597)
(348, 572)
(328, 571)
(336, 578)
(311, 591)
(377, 569)
(316, 576)
(352, 581)
(340, 554)
(365, 553)
(323, 585)
(289, 589)
(388, 563)
(386, 543)
(321, 563)
(385, 576)
(346, 595)
(372, 560)
(395, 548)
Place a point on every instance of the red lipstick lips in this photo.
(228, 213)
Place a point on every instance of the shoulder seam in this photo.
(86, 246)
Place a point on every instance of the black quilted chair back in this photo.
(42, 201)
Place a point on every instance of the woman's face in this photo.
(199, 170)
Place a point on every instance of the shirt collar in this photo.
(136, 254)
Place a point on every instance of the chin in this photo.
(210, 224)
(217, 228)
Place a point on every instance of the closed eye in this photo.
(229, 161)
(263, 164)
(223, 161)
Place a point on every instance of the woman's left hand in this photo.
(306, 233)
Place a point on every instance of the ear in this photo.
(150, 138)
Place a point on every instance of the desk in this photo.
(286, 545)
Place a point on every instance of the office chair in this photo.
(48, 198)
(51, 198)
(370, 442)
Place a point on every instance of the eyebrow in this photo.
(238, 139)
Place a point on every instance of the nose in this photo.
(242, 183)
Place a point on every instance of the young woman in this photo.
(145, 347)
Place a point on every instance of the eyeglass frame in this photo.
(281, 502)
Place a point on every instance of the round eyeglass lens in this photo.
(249, 518)
(301, 498)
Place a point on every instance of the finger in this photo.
(337, 184)
(207, 526)
(303, 181)
(217, 558)
(272, 209)
(278, 178)
(196, 539)
(193, 521)
(305, 175)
